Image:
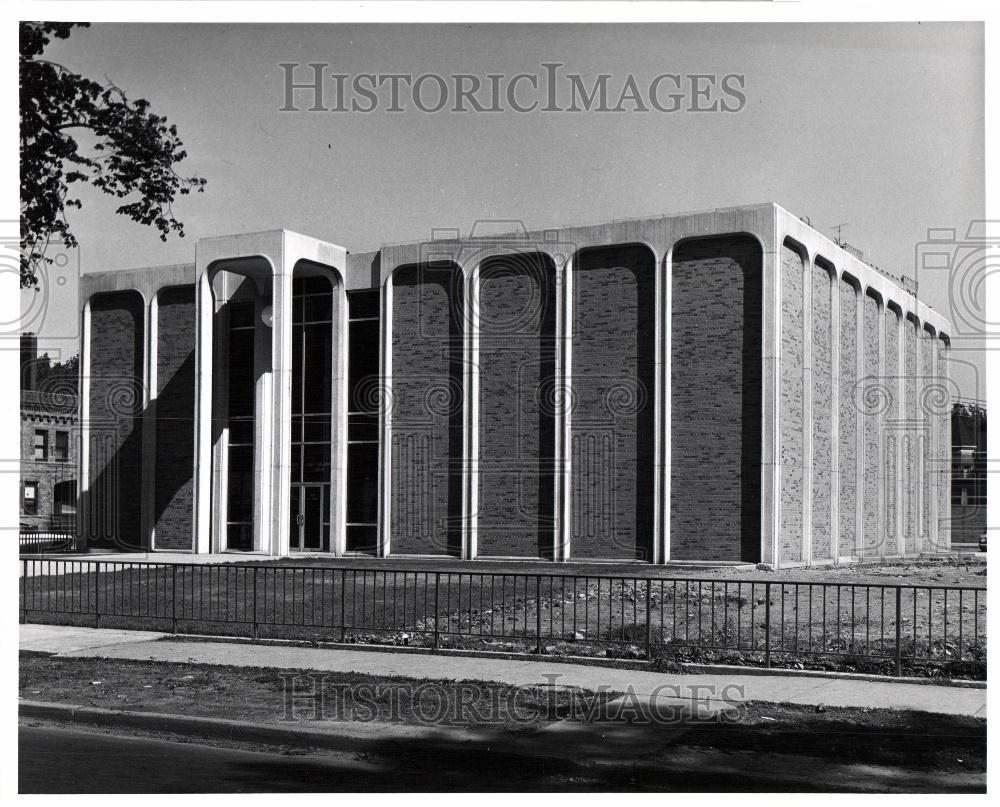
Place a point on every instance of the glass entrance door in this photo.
(310, 528)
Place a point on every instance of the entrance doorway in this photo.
(310, 527)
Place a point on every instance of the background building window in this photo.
(29, 500)
(41, 445)
(62, 446)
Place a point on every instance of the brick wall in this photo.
(613, 403)
(516, 418)
(49, 473)
(715, 399)
(848, 418)
(116, 395)
(873, 542)
(792, 450)
(426, 486)
(892, 510)
(822, 414)
(911, 453)
(174, 411)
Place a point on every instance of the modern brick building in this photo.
(728, 385)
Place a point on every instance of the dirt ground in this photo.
(268, 695)
(720, 615)
(953, 570)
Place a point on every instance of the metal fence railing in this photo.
(893, 629)
(36, 542)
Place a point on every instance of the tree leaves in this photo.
(132, 158)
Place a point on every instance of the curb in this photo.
(834, 675)
(374, 737)
(684, 668)
(217, 728)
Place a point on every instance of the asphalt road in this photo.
(55, 759)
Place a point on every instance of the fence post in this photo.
(767, 624)
(24, 591)
(899, 614)
(343, 605)
(173, 595)
(254, 602)
(97, 595)
(538, 615)
(649, 620)
(437, 610)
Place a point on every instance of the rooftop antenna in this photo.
(838, 228)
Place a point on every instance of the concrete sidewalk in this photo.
(711, 689)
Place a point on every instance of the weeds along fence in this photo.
(891, 629)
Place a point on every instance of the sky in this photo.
(878, 127)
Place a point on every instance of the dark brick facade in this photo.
(516, 416)
(427, 406)
(174, 409)
(116, 399)
(715, 398)
(613, 403)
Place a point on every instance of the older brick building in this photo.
(49, 440)
(727, 385)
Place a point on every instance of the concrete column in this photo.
(220, 425)
(263, 426)
(205, 306)
(148, 517)
(771, 406)
(835, 417)
(279, 440)
(664, 390)
(83, 489)
(660, 546)
(902, 408)
(470, 414)
(562, 535)
(385, 414)
(807, 407)
(859, 482)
